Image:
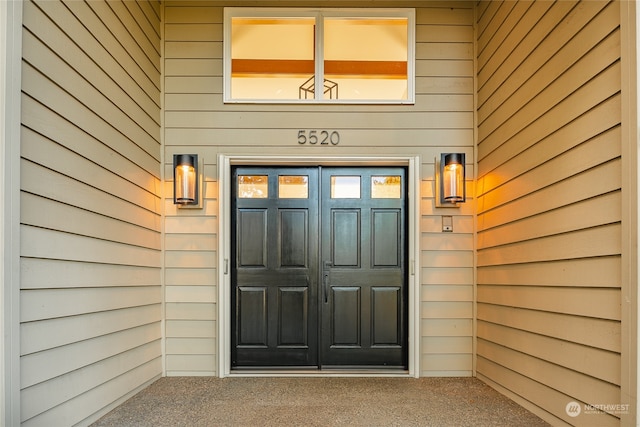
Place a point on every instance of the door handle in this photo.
(326, 269)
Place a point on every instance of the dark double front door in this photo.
(319, 267)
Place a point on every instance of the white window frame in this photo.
(318, 14)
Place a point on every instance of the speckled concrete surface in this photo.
(198, 401)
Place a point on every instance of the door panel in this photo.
(345, 237)
(319, 272)
(275, 269)
(252, 232)
(385, 234)
(294, 238)
(293, 319)
(363, 248)
(385, 313)
(252, 316)
(345, 317)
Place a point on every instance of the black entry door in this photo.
(363, 267)
(318, 272)
(275, 268)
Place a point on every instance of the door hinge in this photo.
(226, 266)
(412, 268)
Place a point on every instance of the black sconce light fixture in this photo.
(186, 181)
(450, 177)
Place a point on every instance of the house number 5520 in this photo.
(321, 137)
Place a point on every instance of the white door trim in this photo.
(225, 161)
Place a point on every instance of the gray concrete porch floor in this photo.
(241, 401)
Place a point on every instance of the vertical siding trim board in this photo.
(476, 224)
(164, 188)
(10, 97)
(630, 39)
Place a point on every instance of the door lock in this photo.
(326, 269)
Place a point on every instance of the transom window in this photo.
(319, 56)
(297, 187)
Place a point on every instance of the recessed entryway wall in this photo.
(199, 121)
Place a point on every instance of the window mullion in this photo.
(319, 58)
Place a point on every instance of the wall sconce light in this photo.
(186, 181)
(450, 177)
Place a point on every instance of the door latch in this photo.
(326, 270)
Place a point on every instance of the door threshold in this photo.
(311, 373)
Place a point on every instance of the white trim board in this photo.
(225, 161)
(10, 118)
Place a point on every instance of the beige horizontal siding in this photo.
(40, 335)
(539, 394)
(41, 273)
(383, 140)
(191, 284)
(91, 301)
(561, 220)
(86, 223)
(187, 98)
(598, 363)
(128, 55)
(550, 205)
(590, 331)
(562, 110)
(52, 156)
(339, 120)
(197, 121)
(600, 272)
(40, 397)
(133, 162)
(78, 23)
(573, 53)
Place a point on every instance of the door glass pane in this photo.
(366, 58)
(385, 187)
(271, 58)
(253, 186)
(345, 187)
(293, 187)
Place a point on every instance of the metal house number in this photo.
(318, 137)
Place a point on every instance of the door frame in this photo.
(225, 162)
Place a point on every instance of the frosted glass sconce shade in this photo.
(452, 174)
(185, 179)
